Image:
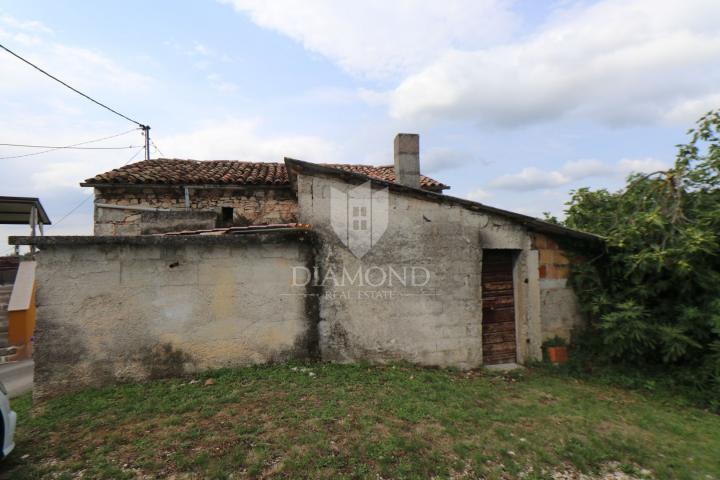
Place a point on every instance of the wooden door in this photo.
(498, 300)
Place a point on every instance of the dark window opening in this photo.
(226, 216)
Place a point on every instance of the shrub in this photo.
(653, 296)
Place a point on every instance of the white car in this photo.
(8, 423)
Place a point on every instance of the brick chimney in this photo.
(407, 159)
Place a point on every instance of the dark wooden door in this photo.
(498, 300)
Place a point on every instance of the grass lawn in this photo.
(360, 421)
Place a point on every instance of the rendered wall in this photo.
(118, 312)
(437, 324)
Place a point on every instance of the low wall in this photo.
(113, 309)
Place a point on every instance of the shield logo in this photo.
(359, 217)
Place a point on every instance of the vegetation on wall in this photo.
(653, 297)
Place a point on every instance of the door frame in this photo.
(519, 294)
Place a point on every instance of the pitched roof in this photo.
(226, 172)
(532, 223)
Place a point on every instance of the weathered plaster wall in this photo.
(251, 206)
(163, 307)
(559, 308)
(437, 324)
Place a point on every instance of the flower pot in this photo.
(557, 355)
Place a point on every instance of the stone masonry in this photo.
(251, 206)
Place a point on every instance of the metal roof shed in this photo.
(23, 211)
(19, 211)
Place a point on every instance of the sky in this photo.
(517, 103)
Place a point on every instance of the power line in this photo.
(140, 149)
(145, 128)
(156, 148)
(71, 88)
(74, 209)
(72, 146)
(67, 147)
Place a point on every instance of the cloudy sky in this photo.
(517, 102)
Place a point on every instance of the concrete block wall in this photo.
(560, 311)
(157, 307)
(251, 206)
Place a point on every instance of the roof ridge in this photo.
(178, 171)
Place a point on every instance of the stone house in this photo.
(164, 195)
(341, 263)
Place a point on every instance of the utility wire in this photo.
(74, 209)
(156, 148)
(140, 149)
(68, 147)
(71, 88)
(73, 146)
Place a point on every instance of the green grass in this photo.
(360, 421)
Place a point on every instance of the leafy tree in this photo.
(654, 295)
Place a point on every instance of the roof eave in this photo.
(183, 185)
(44, 218)
(296, 166)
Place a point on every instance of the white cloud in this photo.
(617, 62)
(222, 85)
(31, 26)
(38, 110)
(440, 159)
(614, 61)
(85, 69)
(530, 178)
(478, 195)
(627, 166)
(578, 169)
(533, 178)
(66, 174)
(241, 139)
(381, 38)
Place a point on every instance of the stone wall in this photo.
(126, 221)
(251, 205)
(439, 323)
(119, 309)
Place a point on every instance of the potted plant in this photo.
(556, 349)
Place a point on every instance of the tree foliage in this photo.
(654, 295)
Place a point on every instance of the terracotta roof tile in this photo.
(239, 230)
(226, 172)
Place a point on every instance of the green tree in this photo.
(654, 295)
